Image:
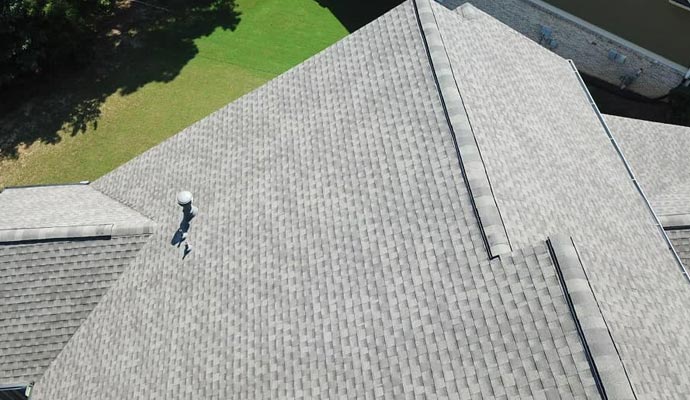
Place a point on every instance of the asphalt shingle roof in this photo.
(681, 242)
(61, 247)
(337, 253)
(65, 211)
(46, 291)
(658, 154)
(553, 169)
(342, 247)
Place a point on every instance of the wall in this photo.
(585, 44)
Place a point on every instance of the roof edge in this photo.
(72, 232)
(607, 367)
(44, 185)
(469, 156)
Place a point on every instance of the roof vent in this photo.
(545, 33)
(627, 80)
(184, 199)
(617, 57)
(546, 37)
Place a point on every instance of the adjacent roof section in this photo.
(65, 211)
(47, 289)
(553, 169)
(681, 242)
(659, 156)
(604, 358)
(61, 247)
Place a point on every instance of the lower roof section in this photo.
(61, 248)
(681, 242)
(659, 156)
(46, 291)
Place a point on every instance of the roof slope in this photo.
(61, 247)
(337, 254)
(681, 242)
(658, 154)
(553, 169)
(46, 291)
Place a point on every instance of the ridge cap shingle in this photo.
(469, 156)
(605, 362)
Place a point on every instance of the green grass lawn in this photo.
(143, 103)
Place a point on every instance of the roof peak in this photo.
(71, 211)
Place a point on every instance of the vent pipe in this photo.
(184, 199)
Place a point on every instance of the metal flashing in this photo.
(469, 155)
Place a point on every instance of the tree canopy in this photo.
(38, 35)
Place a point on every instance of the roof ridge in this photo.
(675, 221)
(40, 185)
(68, 211)
(466, 147)
(73, 232)
(116, 198)
(607, 367)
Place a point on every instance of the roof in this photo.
(430, 207)
(65, 211)
(658, 154)
(62, 247)
(553, 169)
(681, 242)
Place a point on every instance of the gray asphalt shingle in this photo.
(61, 247)
(46, 292)
(658, 154)
(338, 251)
(553, 170)
(337, 254)
(681, 242)
(65, 211)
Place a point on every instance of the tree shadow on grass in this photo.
(354, 14)
(145, 43)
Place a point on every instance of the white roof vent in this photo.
(184, 199)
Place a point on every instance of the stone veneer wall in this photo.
(588, 48)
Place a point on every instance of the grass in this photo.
(157, 92)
